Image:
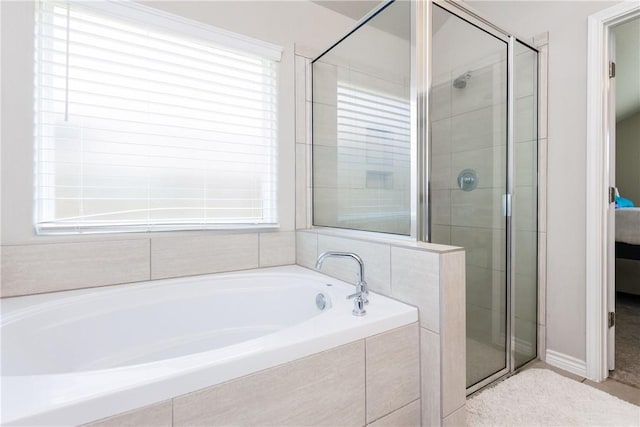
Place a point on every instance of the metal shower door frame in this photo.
(475, 20)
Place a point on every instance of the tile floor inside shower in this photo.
(482, 358)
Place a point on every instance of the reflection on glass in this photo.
(525, 206)
(468, 151)
(361, 127)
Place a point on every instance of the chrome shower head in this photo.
(461, 81)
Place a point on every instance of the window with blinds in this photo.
(147, 121)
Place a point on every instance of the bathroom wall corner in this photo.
(430, 365)
(306, 248)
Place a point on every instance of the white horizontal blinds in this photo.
(374, 139)
(143, 127)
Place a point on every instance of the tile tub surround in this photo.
(343, 386)
(39, 268)
(189, 338)
(158, 415)
(428, 276)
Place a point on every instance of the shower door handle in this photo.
(506, 204)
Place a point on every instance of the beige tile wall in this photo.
(323, 389)
(453, 331)
(186, 256)
(158, 415)
(393, 371)
(32, 269)
(303, 138)
(372, 381)
(430, 364)
(342, 196)
(456, 419)
(415, 280)
(407, 416)
(430, 277)
(39, 268)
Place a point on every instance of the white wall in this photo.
(284, 23)
(628, 158)
(566, 23)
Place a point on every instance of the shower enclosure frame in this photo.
(423, 20)
(420, 143)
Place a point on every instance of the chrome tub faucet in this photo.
(360, 298)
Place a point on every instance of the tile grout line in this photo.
(173, 417)
(365, 383)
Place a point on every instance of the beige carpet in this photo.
(539, 397)
(627, 340)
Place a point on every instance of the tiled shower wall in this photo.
(363, 185)
(469, 132)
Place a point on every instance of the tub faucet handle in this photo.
(363, 287)
(358, 305)
(359, 299)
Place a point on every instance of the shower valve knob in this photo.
(467, 180)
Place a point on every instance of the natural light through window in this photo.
(141, 127)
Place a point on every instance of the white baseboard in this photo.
(567, 363)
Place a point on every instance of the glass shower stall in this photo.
(425, 125)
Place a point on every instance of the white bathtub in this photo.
(77, 356)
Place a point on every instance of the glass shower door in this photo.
(468, 177)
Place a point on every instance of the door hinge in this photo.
(612, 194)
(612, 69)
(612, 319)
(506, 204)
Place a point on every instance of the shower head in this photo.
(461, 81)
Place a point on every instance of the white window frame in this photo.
(158, 19)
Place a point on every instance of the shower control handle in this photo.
(467, 180)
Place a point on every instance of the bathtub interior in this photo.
(136, 324)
